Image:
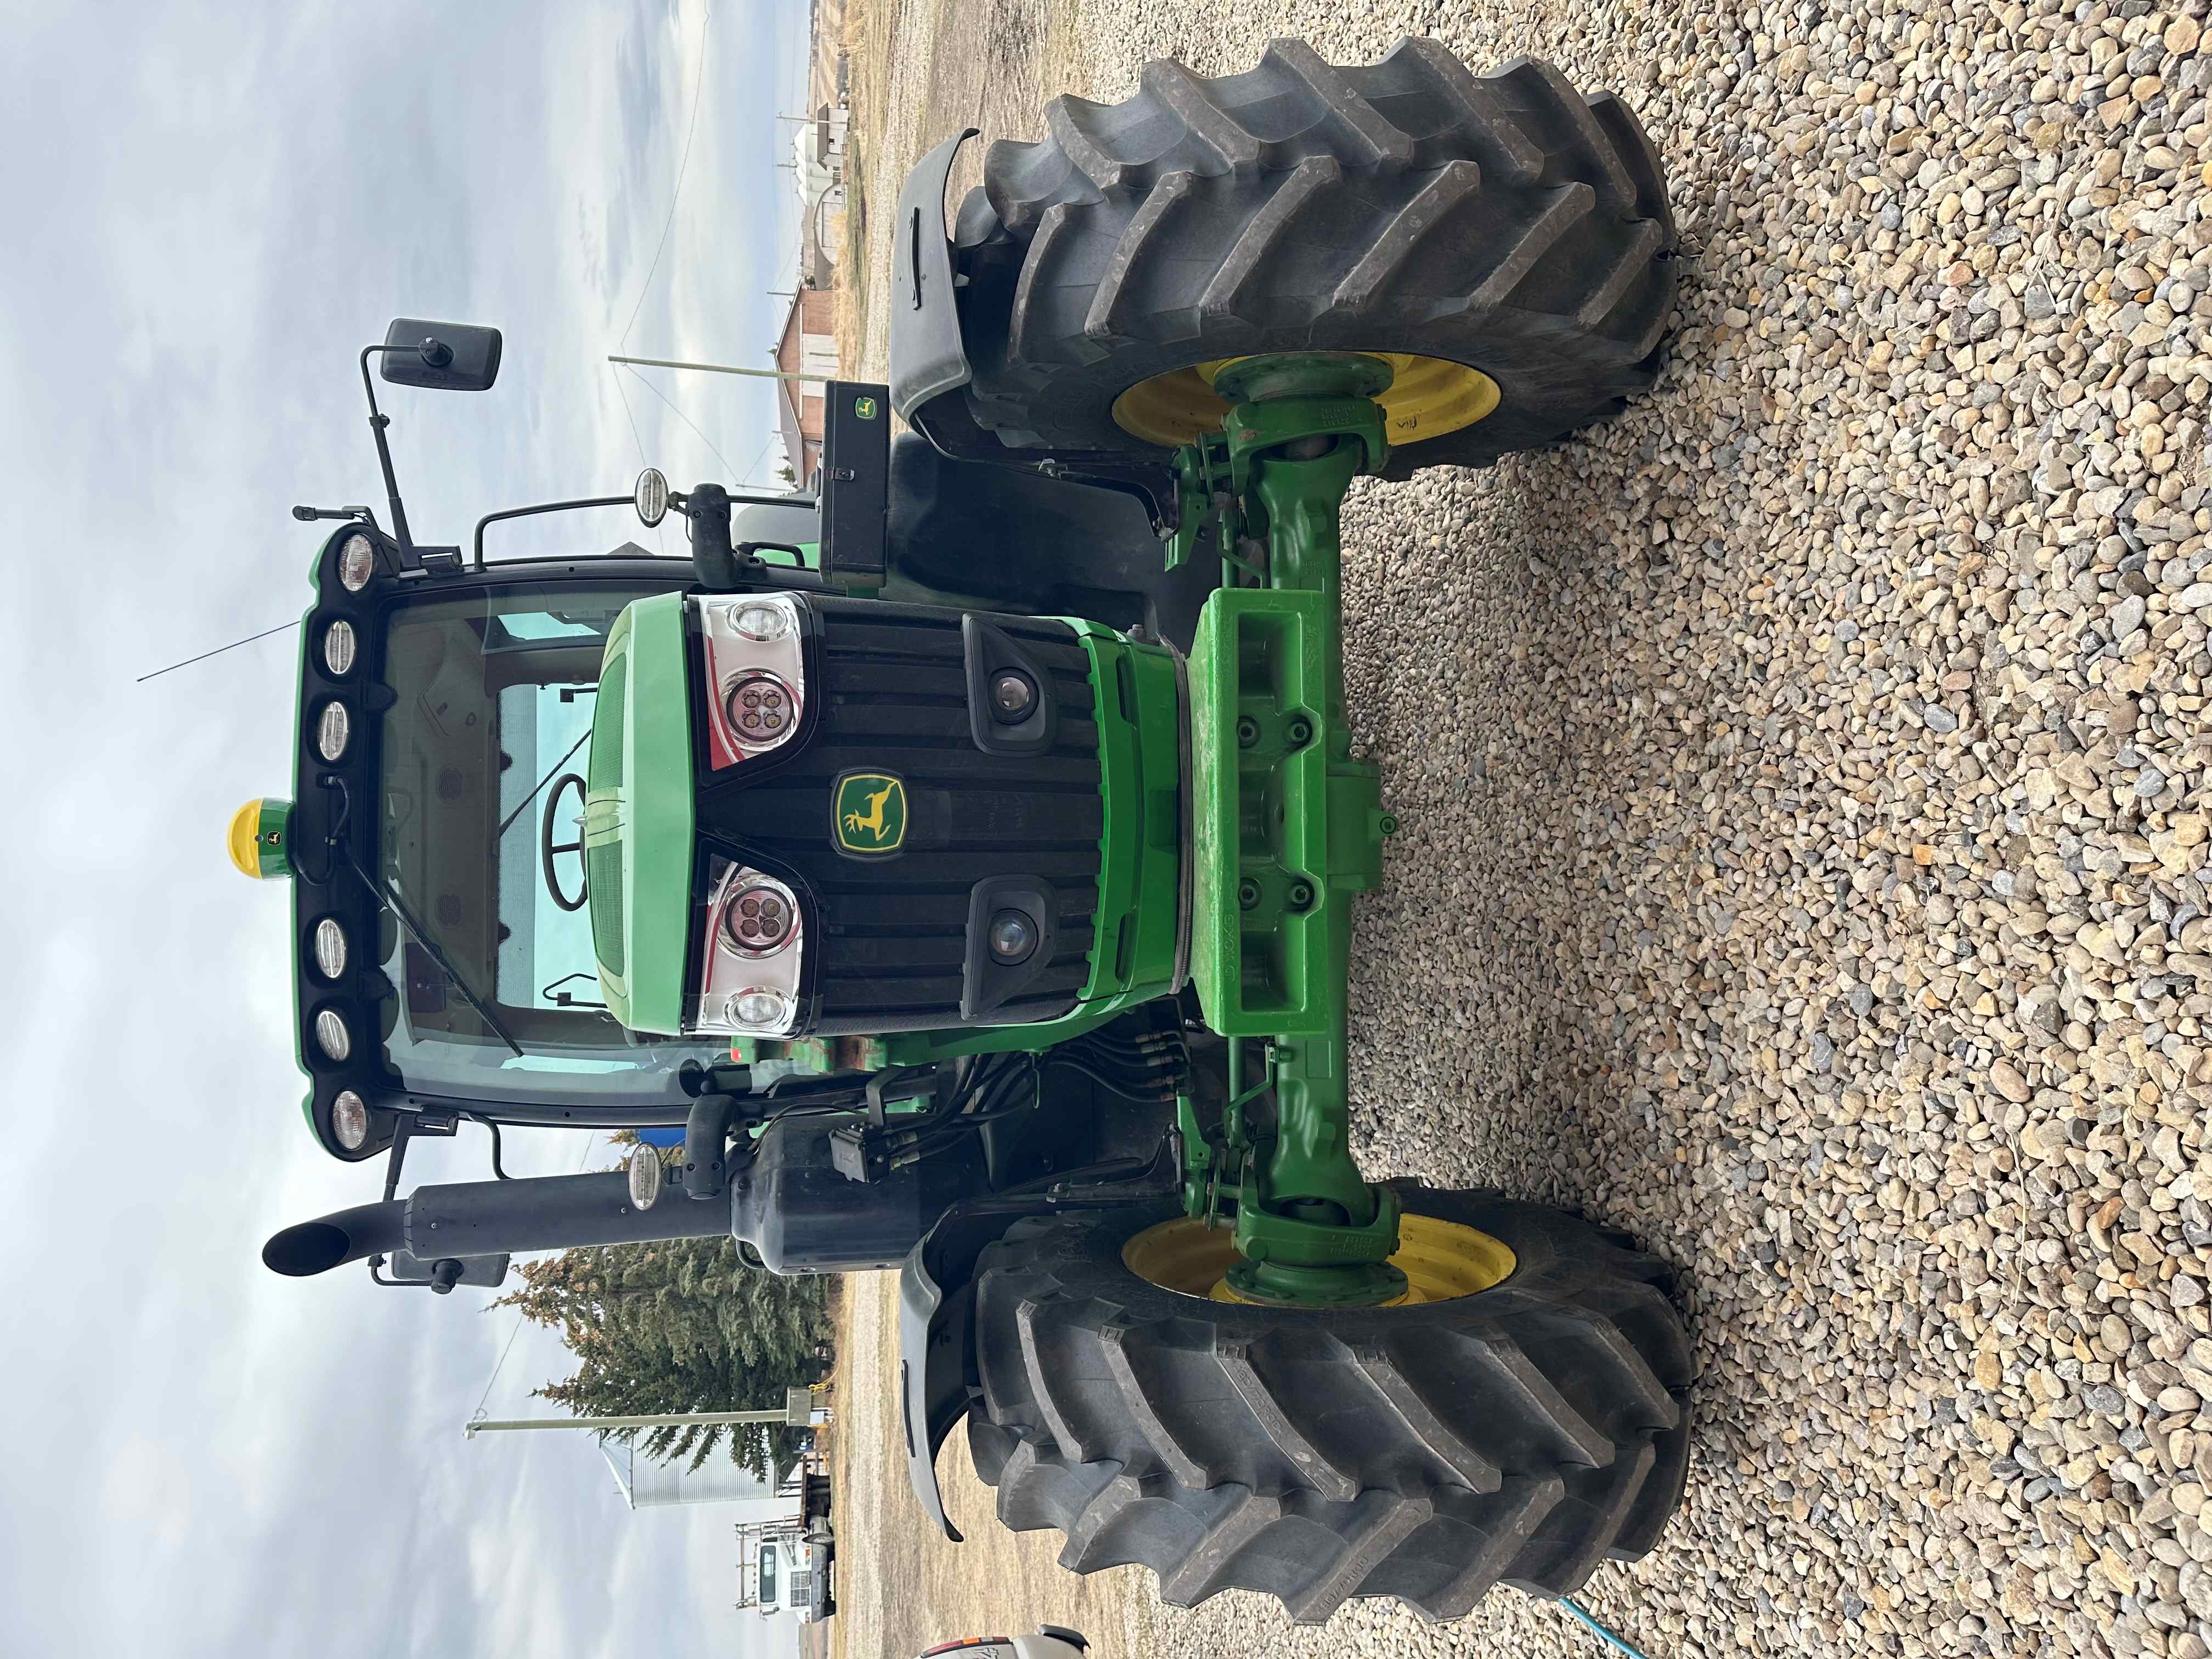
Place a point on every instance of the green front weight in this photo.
(1286, 826)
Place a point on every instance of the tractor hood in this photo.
(637, 816)
(812, 815)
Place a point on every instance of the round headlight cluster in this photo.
(331, 1035)
(760, 707)
(332, 730)
(651, 497)
(757, 1007)
(1014, 696)
(761, 622)
(339, 647)
(1012, 937)
(329, 949)
(759, 919)
(349, 1119)
(357, 562)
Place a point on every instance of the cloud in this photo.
(221, 1461)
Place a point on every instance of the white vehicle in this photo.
(788, 1570)
(1051, 1642)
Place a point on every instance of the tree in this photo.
(683, 1325)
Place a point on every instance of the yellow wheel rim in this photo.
(1440, 1259)
(1428, 397)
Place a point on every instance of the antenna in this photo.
(217, 652)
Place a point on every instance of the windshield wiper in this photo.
(391, 896)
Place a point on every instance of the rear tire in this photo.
(1519, 1435)
(1498, 222)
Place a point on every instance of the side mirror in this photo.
(446, 356)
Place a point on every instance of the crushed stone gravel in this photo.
(1805, 791)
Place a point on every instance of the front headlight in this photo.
(357, 562)
(349, 1119)
(329, 949)
(331, 1035)
(763, 1009)
(756, 673)
(754, 956)
(761, 709)
(338, 646)
(332, 730)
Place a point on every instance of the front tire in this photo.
(1520, 1434)
(1498, 223)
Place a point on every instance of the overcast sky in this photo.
(209, 210)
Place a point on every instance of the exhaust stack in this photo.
(473, 1219)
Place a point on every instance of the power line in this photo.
(698, 79)
(629, 414)
(217, 652)
(520, 1317)
(686, 421)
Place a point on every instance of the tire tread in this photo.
(1524, 1440)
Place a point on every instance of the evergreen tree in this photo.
(682, 1325)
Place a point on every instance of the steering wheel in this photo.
(549, 849)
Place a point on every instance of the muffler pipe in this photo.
(494, 1217)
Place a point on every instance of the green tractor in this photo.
(960, 858)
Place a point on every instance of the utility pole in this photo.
(797, 1411)
(724, 368)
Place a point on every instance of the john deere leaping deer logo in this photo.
(870, 809)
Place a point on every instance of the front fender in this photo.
(928, 357)
(935, 1336)
(937, 1374)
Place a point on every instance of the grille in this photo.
(603, 877)
(604, 769)
(892, 698)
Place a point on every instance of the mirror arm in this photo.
(377, 421)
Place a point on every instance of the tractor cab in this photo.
(443, 964)
(496, 856)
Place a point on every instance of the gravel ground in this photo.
(1805, 789)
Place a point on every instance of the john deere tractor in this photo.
(959, 857)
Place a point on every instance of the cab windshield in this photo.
(490, 719)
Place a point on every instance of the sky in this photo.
(209, 209)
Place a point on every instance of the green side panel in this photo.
(1276, 824)
(637, 816)
(1140, 848)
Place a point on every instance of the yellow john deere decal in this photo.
(870, 813)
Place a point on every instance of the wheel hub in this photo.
(1426, 397)
(1436, 1262)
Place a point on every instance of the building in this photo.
(646, 1482)
(808, 343)
(809, 346)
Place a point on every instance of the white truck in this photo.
(793, 1576)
